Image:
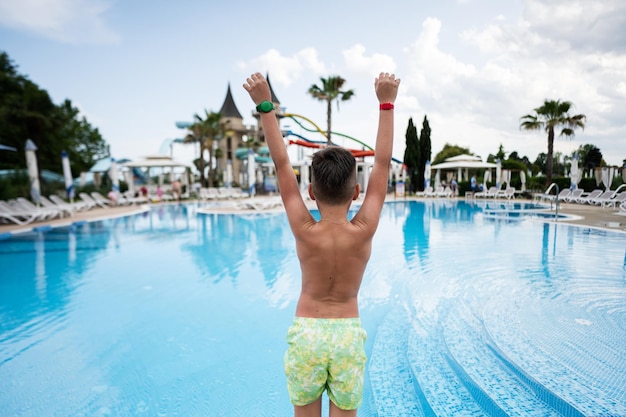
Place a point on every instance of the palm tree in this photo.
(329, 92)
(205, 131)
(550, 116)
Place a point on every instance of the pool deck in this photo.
(582, 214)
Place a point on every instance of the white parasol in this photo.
(33, 171)
(67, 173)
(498, 173)
(575, 173)
(229, 174)
(115, 181)
(486, 179)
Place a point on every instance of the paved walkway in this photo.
(585, 215)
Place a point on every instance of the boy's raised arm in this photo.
(259, 91)
(386, 87)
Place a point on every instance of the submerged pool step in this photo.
(520, 215)
(556, 361)
(445, 394)
(497, 390)
(392, 382)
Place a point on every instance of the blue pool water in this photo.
(179, 313)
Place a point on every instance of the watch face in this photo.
(266, 107)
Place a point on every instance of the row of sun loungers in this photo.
(598, 197)
(493, 192)
(221, 193)
(607, 198)
(22, 211)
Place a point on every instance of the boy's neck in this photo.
(336, 214)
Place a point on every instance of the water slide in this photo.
(303, 141)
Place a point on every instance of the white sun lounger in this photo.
(574, 195)
(507, 193)
(75, 206)
(616, 200)
(14, 215)
(602, 198)
(42, 212)
(589, 197)
(66, 209)
(102, 200)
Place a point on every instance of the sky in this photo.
(472, 67)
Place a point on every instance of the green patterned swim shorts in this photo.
(326, 354)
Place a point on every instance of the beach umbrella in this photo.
(522, 176)
(486, 179)
(438, 179)
(229, 174)
(130, 180)
(33, 171)
(498, 173)
(575, 173)
(67, 173)
(251, 173)
(115, 181)
(304, 177)
(427, 175)
(259, 176)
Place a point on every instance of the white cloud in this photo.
(285, 70)
(432, 72)
(357, 61)
(68, 21)
(584, 24)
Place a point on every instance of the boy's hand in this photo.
(386, 86)
(257, 87)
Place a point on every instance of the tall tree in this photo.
(412, 155)
(448, 151)
(27, 111)
(205, 131)
(590, 156)
(330, 91)
(551, 116)
(425, 150)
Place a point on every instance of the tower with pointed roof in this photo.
(236, 131)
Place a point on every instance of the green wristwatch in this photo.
(265, 106)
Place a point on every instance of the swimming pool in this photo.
(174, 312)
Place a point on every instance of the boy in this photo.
(326, 341)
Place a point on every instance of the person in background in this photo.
(177, 190)
(454, 186)
(473, 183)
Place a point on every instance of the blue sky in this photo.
(473, 67)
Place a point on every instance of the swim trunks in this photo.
(326, 354)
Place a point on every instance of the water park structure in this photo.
(243, 145)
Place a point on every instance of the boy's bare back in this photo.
(333, 252)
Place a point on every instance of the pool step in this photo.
(429, 362)
(555, 362)
(493, 385)
(393, 386)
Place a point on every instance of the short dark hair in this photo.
(333, 175)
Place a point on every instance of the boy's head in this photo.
(333, 175)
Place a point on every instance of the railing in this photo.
(556, 201)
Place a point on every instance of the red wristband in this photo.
(386, 106)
